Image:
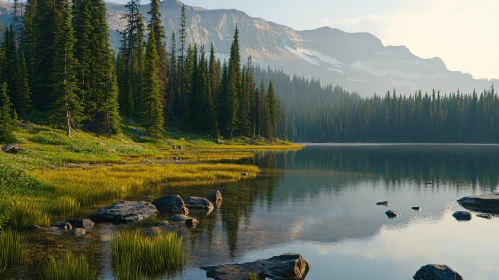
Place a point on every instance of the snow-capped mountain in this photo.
(356, 61)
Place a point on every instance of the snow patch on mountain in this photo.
(303, 55)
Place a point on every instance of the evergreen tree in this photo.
(172, 86)
(6, 115)
(272, 113)
(152, 103)
(66, 110)
(181, 63)
(233, 87)
(160, 38)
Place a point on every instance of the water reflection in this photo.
(321, 202)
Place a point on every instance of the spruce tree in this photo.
(272, 113)
(152, 103)
(66, 109)
(172, 86)
(233, 87)
(6, 115)
(181, 64)
(160, 38)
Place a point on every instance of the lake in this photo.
(321, 202)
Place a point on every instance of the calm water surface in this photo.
(320, 202)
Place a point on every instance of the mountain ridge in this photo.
(357, 61)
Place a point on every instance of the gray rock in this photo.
(63, 225)
(485, 216)
(82, 223)
(287, 266)
(417, 208)
(78, 232)
(436, 272)
(11, 148)
(462, 215)
(171, 204)
(163, 224)
(125, 212)
(245, 174)
(392, 214)
(481, 203)
(191, 223)
(198, 203)
(384, 203)
(216, 198)
(179, 218)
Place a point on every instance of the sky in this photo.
(463, 33)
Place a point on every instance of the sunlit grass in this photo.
(26, 212)
(12, 251)
(69, 267)
(253, 276)
(135, 254)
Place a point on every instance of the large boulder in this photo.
(286, 266)
(481, 203)
(171, 204)
(216, 198)
(462, 215)
(436, 272)
(125, 212)
(199, 203)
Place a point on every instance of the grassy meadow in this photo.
(56, 177)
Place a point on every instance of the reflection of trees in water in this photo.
(327, 171)
(457, 165)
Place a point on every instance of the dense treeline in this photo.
(57, 63)
(319, 113)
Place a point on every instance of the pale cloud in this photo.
(461, 32)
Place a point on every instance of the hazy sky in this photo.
(463, 33)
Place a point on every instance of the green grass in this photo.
(136, 255)
(69, 267)
(253, 276)
(12, 251)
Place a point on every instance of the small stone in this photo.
(384, 203)
(245, 174)
(78, 232)
(63, 225)
(179, 218)
(462, 215)
(215, 197)
(485, 216)
(82, 223)
(35, 228)
(198, 203)
(191, 223)
(417, 208)
(392, 214)
(163, 224)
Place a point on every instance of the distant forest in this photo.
(57, 67)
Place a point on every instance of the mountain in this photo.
(356, 61)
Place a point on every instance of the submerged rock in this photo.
(462, 215)
(78, 232)
(199, 203)
(82, 223)
(436, 272)
(125, 212)
(216, 198)
(485, 216)
(481, 203)
(392, 214)
(286, 266)
(171, 204)
(191, 223)
(384, 203)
